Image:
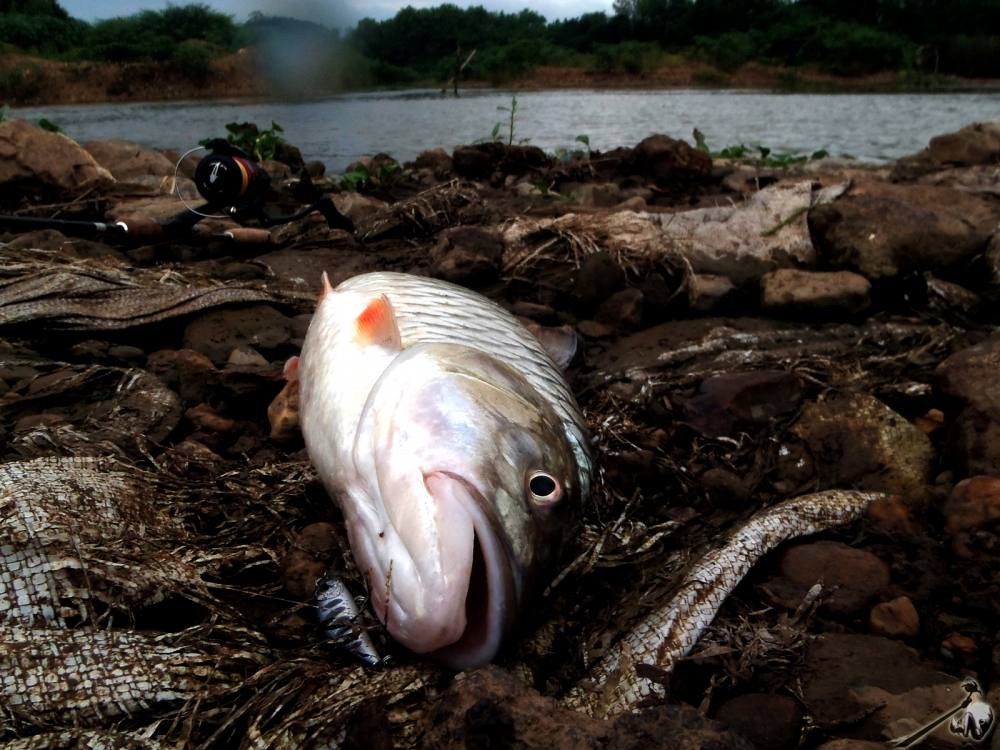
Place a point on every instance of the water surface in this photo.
(337, 130)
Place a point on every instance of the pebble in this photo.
(598, 277)
(789, 291)
(895, 619)
(974, 503)
(308, 558)
(204, 417)
(623, 309)
(959, 645)
(283, 413)
(594, 330)
(246, 356)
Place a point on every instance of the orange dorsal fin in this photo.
(377, 324)
(291, 371)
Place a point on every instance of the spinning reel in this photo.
(234, 185)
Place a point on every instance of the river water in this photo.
(339, 129)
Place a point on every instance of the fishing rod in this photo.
(233, 186)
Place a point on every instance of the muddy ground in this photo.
(248, 73)
(746, 334)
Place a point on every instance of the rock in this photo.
(892, 516)
(876, 686)
(851, 577)
(489, 708)
(895, 619)
(770, 722)
(622, 309)
(436, 159)
(846, 744)
(590, 194)
(949, 298)
(204, 417)
(992, 257)
(276, 170)
(358, 207)
(482, 160)
(283, 413)
(130, 355)
(745, 241)
(974, 503)
(196, 375)
(467, 255)
(598, 277)
(594, 330)
(635, 203)
(978, 143)
(787, 291)
(217, 332)
(959, 644)
(664, 159)
(309, 557)
(286, 153)
(859, 442)
(246, 356)
(526, 189)
(707, 292)
(126, 160)
(737, 401)
(315, 169)
(534, 311)
(723, 487)
(968, 380)
(882, 230)
(35, 162)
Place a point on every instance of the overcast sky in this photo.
(340, 13)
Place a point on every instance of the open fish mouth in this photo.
(489, 597)
(461, 618)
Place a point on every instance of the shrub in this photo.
(41, 34)
(635, 58)
(728, 51)
(851, 49)
(193, 59)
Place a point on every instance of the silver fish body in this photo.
(454, 448)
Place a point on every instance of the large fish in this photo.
(454, 448)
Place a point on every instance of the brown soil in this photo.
(240, 76)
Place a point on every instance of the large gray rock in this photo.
(741, 242)
(36, 162)
(126, 160)
(745, 241)
(882, 230)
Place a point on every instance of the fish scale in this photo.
(434, 311)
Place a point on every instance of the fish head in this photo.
(467, 486)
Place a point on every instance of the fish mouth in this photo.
(487, 598)
(484, 618)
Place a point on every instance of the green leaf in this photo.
(46, 124)
(584, 139)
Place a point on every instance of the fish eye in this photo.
(544, 488)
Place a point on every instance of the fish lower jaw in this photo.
(461, 629)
